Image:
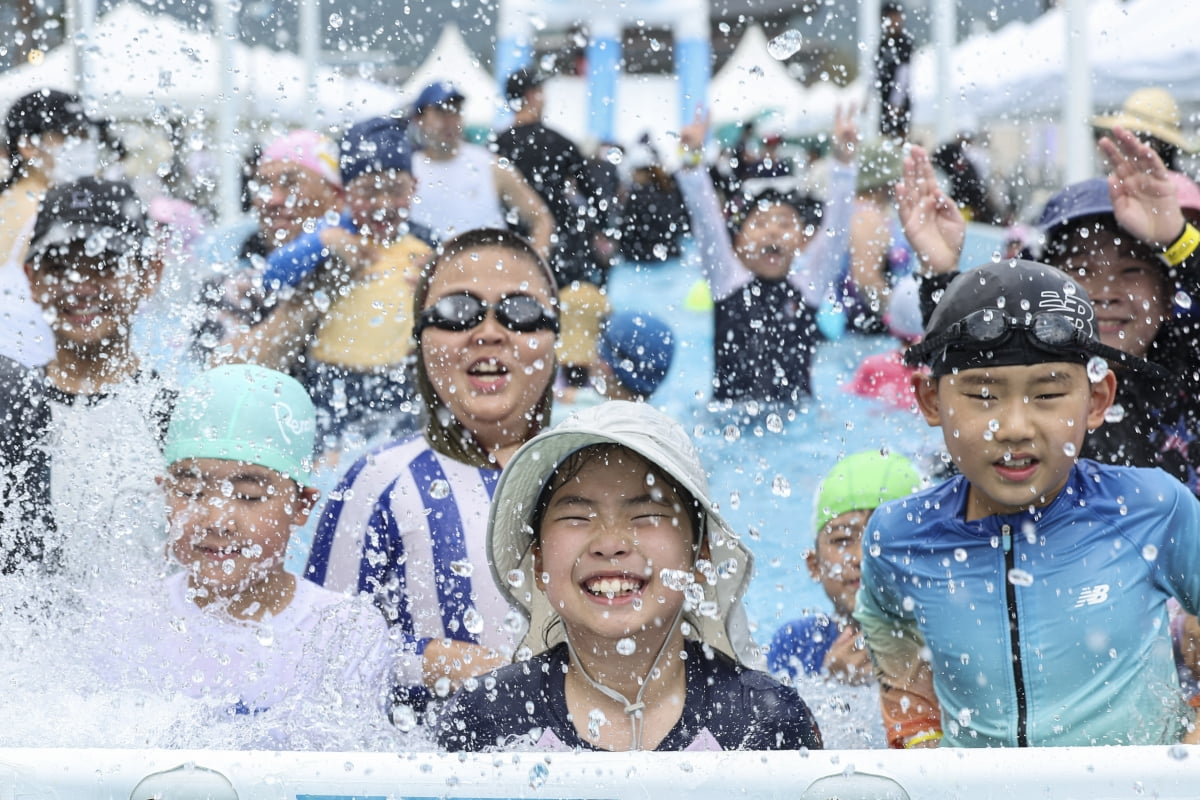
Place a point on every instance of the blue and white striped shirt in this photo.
(408, 526)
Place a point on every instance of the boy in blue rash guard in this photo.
(603, 534)
(1024, 601)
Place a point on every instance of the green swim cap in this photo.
(241, 412)
(863, 482)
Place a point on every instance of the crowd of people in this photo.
(521, 552)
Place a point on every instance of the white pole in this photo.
(945, 23)
(310, 48)
(228, 155)
(81, 26)
(1077, 107)
(868, 37)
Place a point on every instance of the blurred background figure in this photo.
(1153, 116)
(893, 76)
(654, 219)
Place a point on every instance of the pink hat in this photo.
(886, 378)
(307, 149)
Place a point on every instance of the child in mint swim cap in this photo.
(831, 645)
(235, 630)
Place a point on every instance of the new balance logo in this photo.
(1092, 595)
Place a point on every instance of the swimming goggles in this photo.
(991, 326)
(520, 313)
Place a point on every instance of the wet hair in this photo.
(445, 433)
(570, 467)
(801, 204)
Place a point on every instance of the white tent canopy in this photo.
(140, 62)
(452, 60)
(751, 82)
(1019, 70)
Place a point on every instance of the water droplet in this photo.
(265, 635)
(1183, 299)
(993, 425)
(727, 568)
(228, 566)
(757, 71)
(1019, 577)
(660, 251)
(439, 489)
(908, 604)
(626, 646)
(785, 45)
(514, 623)
(693, 595)
(964, 716)
(515, 578)
(1178, 752)
(335, 21)
(735, 499)
(960, 555)
(538, 774)
(1114, 413)
(463, 569)
(1150, 552)
(1069, 449)
(676, 579)
(875, 550)
(441, 687)
(965, 658)
(1029, 528)
(1097, 368)
(404, 718)
(732, 433)
(774, 423)
(473, 621)
(781, 486)
(596, 720)
(614, 155)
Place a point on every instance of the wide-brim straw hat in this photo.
(1151, 111)
(719, 621)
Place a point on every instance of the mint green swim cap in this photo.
(241, 412)
(863, 482)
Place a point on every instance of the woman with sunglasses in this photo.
(408, 522)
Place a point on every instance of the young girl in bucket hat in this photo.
(603, 534)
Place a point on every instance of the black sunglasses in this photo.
(520, 313)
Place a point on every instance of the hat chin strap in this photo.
(634, 710)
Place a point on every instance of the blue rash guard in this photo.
(1046, 628)
(524, 707)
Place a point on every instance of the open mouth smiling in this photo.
(613, 587)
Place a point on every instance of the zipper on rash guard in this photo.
(1014, 635)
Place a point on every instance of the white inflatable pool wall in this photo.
(1059, 773)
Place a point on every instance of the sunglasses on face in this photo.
(520, 313)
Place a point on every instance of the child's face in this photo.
(606, 536)
(1014, 432)
(90, 299)
(230, 521)
(769, 240)
(286, 196)
(836, 560)
(1129, 293)
(379, 202)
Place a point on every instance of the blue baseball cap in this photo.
(1088, 198)
(639, 347)
(375, 145)
(436, 94)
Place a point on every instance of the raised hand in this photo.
(931, 221)
(693, 135)
(845, 133)
(1143, 197)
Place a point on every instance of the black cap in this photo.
(521, 82)
(44, 111)
(1018, 292)
(106, 215)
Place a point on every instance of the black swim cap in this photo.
(1014, 313)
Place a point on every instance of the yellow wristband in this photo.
(922, 738)
(690, 158)
(1183, 247)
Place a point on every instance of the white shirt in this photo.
(457, 195)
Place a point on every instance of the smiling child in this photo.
(602, 533)
(1024, 602)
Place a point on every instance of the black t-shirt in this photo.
(524, 707)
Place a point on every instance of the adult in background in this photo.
(296, 183)
(893, 76)
(462, 186)
(49, 139)
(408, 522)
(1152, 115)
(558, 172)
